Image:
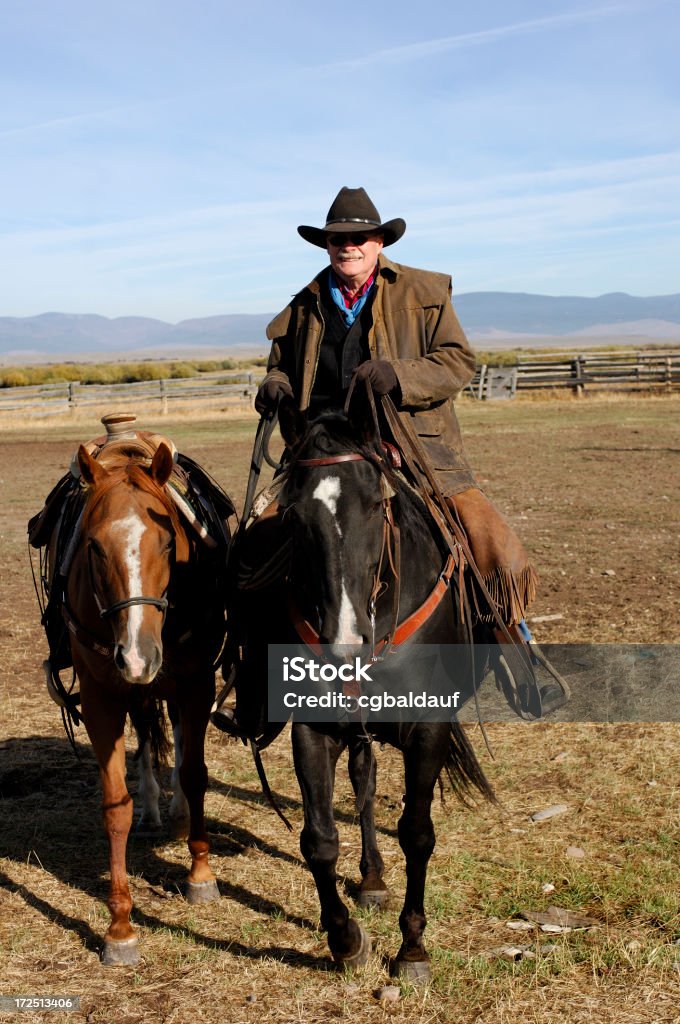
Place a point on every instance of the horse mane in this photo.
(138, 476)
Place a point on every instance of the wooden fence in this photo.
(235, 392)
(581, 374)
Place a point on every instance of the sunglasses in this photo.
(337, 241)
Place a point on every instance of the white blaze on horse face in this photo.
(131, 530)
(327, 491)
(347, 635)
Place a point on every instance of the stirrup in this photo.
(66, 700)
(224, 719)
(556, 693)
(525, 700)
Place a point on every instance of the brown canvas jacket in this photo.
(416, 329)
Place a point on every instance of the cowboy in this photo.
(365, 317)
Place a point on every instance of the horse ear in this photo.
(90, 470)
(161, 464)
(292, 422)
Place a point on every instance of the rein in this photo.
(438, 507)
(265, 429)
(331, 460)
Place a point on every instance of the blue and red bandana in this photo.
(349, 305)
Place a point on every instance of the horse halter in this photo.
(128, 602)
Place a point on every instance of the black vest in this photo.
(341, 351)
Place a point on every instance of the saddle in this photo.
(206, 508)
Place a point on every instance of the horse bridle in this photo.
(128, 602)
(84, 635)
(390, 547)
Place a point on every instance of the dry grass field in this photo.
(594, 488)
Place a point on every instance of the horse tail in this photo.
(148, 718)
(462, 768)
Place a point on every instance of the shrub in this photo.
(179, 370)
(14, 379)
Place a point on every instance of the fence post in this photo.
(72, 401)
(577, 373)
(482, 379)
(164, 398)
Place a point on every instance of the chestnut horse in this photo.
(145, 624)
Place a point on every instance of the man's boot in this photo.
(251, 726)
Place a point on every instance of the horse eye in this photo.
(97, 549)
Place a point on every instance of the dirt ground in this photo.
(593, 487)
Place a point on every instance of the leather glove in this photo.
(269, 393)
(380, 373)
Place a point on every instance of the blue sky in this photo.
(157, 157)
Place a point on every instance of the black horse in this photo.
(367, 564)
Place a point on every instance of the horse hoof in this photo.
(416, 972)
(117, 953)
(202, 892)
(360, 958)
(373, 898)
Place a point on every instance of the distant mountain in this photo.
(73, 333)
(491, 317)
(520, 313)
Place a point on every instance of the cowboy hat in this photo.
(352, 210)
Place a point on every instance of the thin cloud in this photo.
(60, 122)
(430, 47)
(76, 119)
